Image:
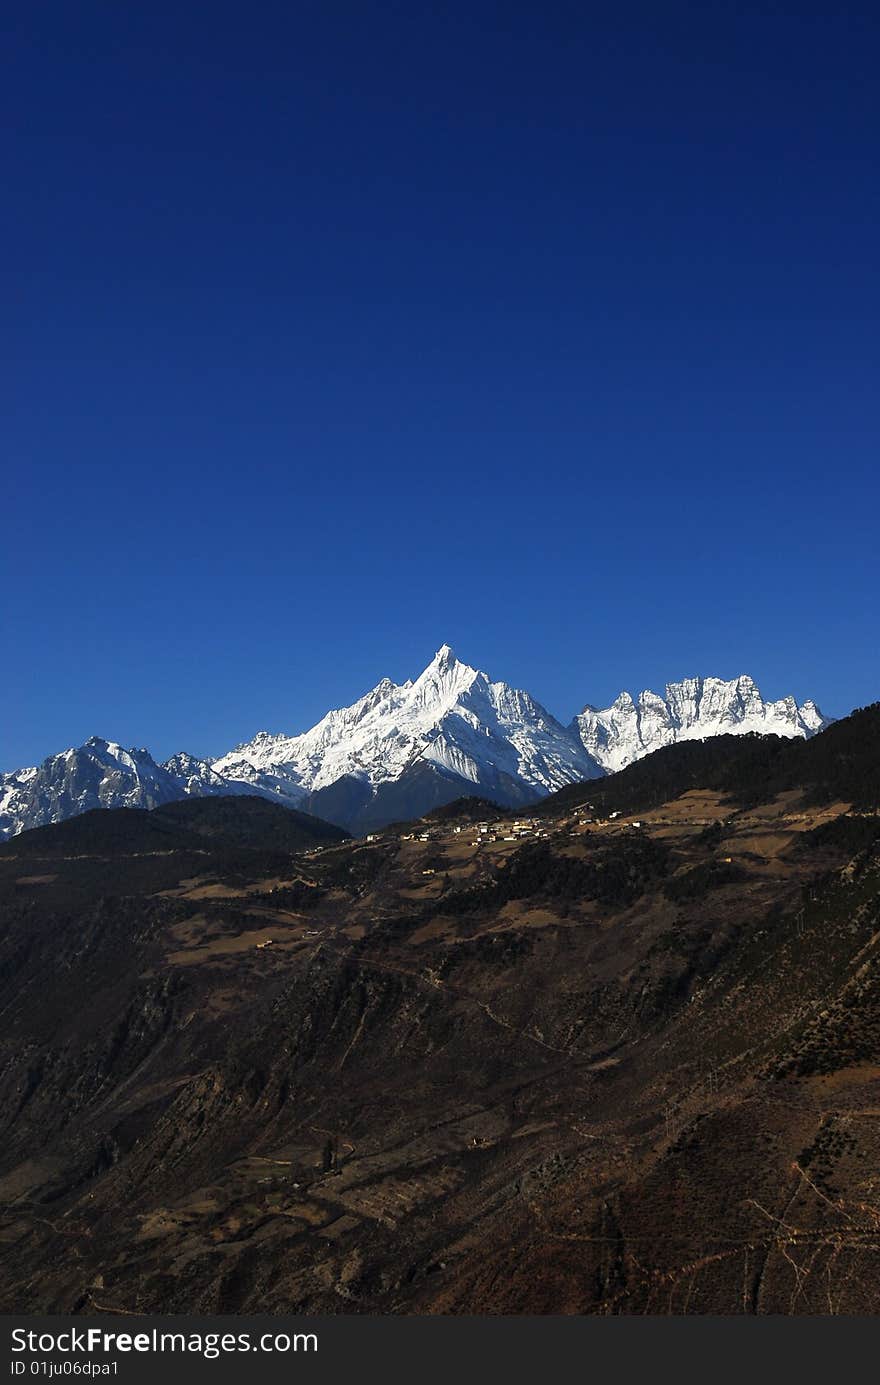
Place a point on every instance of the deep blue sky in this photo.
(333, 332)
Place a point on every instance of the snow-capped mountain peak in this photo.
(98, 774)
(197, 778)
(451, 717)
(691, 710)
(444, 680)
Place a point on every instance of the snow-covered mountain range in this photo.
(691, 710)
(405, 748)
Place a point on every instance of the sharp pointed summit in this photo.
(444, 733)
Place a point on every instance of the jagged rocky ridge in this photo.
(101, 774)
(405, 748)
(694, 709)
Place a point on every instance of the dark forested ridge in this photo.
(842, 762)
(191, 823)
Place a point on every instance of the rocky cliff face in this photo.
(98, 774)
(693, 709)
(101, 774)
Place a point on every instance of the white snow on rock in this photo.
(99, 774)
(452, 716)
(691, 710)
